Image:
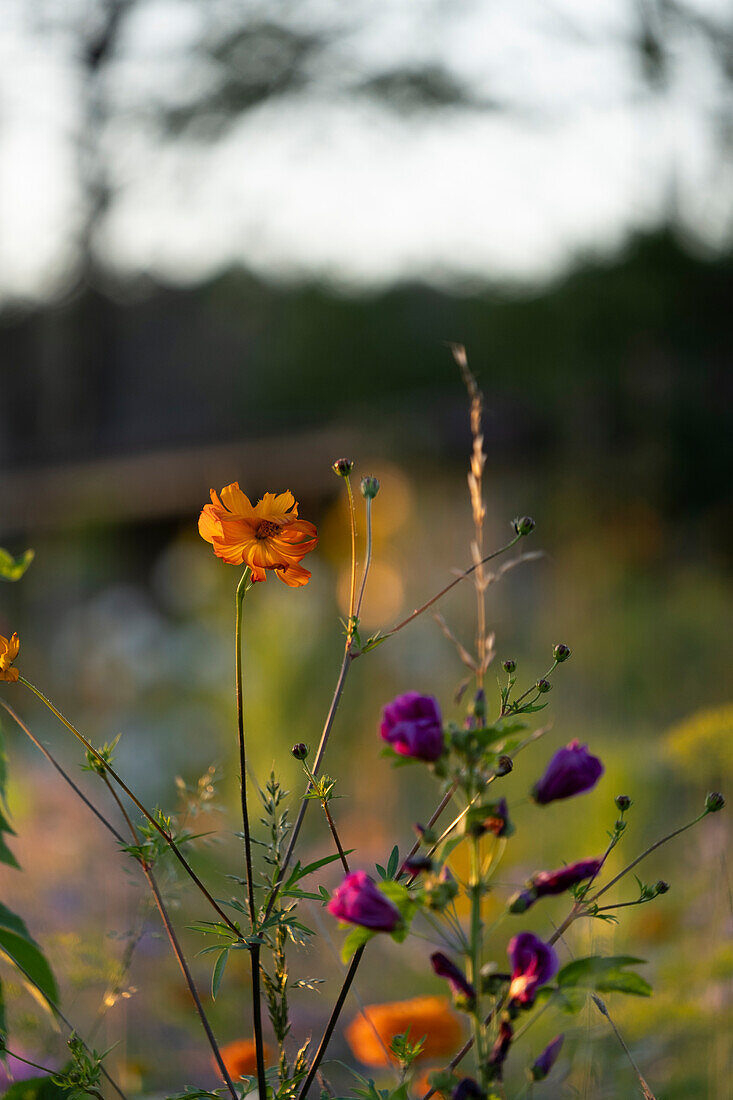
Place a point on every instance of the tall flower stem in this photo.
(175, 943)
(254, 948)
(476, 952)
(133, 798)
(351, 625)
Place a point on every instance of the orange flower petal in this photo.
(278, 507)
(428, 1017)
(294, 576)
(209, 523)
(237, 502)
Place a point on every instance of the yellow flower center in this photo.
(266, 529)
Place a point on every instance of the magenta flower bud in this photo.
(413, 726)
(521, 902)
(358, 901)
(534, 963)
(414, 865)
(468, 1089)
(572, 770)
(557, 882)
(500, 1050)
(547, 1059)
(457, 980)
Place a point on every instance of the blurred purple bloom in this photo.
(572, 770)
(457, 980)
(554, 882)
(500, 1050)
(413, 726)
(468, 1089)
(358, 901)
(547, 1059)
(533, 964)
(15, 1070)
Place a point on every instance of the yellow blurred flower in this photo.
(240, 1059)
(703, 742)
(266, 535)
(8, 652)
(428, 1017)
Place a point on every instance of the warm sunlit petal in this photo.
(209, 523)
(278, 507)
(236, 501)
(294, 576)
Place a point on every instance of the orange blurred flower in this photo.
(8, 652)
(240, 1059)
(431, 1017)
(267, 535)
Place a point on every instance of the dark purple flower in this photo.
(415, 865)
(457, 980)
(412, 725)
(533, 964)
(358, 901)
(468, 1089)
(547, 1059)
(500, 1051)
(554, 882)
(572, 770)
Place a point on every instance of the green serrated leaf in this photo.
(12, 569)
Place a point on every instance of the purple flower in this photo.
(457, 980)
(554, 882)
(358, 901)
(413, 726)
(547, 1059)
(15, 1070)
(572, 770)
(500, 1051)
(468, 1089)
(533, 964)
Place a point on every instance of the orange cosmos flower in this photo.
(267, 535)
(8, 652)
(240, 1059)
(431, 1017)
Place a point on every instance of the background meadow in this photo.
(235, 246)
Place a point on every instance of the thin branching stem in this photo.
(133, 798)
(351, 622)
(644, 854)
(174, 942)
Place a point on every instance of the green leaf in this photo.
(606, 975)
(6, 856)
(394, 861)
(36, 1088)
(3, 769)
(20, 948)
(356, 938)
(12, 569)
(218, 974)
(3, 1025)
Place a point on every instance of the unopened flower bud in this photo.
(413, 865)
(369, 487)
(661, 887)
(561, 653)
(503, 766)
(509, 666)
(427, 836)
(523, 525)
(543, 686)
(714, 802)
(521, 902)
(623, 802)
(342, 467)
(478, 707)
(300, 751)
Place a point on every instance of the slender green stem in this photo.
(461, 577)
(351, 622)
(644, 854)
(26, 1061)
(175, 943)
(146, 813)
(367, 557)
(254, 949)
(326, 1038)
(476, 952)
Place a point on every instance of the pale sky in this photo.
(329, 184)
